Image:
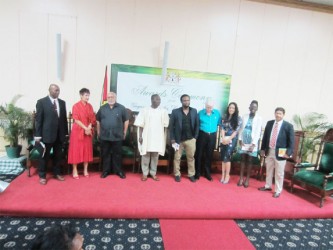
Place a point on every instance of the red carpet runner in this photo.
(113, 197)
(203, 234)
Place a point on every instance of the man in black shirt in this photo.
(184, 130)
(112, 124)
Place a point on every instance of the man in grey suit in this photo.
(184, 131)
(277, 145)
(51, 131)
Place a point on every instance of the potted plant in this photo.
(16, 123)
(315, 126)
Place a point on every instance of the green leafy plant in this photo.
(315, 126)
(15, 122)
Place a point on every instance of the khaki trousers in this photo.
(273, 164)
(151, 157)
(189, 147)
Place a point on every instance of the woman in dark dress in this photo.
(231, 123)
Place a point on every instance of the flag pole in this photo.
(105, 87)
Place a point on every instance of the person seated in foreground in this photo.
(59, 237)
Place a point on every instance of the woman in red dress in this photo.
(80, 143)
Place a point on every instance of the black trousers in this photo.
(111, 156)
(57, 147)
(204, 148)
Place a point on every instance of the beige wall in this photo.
(278, 55)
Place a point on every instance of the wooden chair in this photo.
(96, 146)
(296, 157)
(130, 144)
(298, 145)
(259, 165)
(318, 180)
(129, 148)
(167, 159)
(216, 160)
(33, 155)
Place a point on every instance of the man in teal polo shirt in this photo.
(209, 119)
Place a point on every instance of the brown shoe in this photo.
(59, 177)
(155, 178)
(42, 181)
(264, 189)
(144, 178)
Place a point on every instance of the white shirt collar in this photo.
(53, 99)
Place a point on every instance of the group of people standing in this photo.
(190, 131)
(111, 122)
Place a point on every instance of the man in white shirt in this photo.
(152, 123)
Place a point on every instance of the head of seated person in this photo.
(59, 237)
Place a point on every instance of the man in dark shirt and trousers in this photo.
(209, 119)
(277, 145)
(184, 130)
(112, 124)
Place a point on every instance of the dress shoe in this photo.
(208, 177)
(264, 189)
(192, 179)
(155, 178)
(276, 195)
(144, 178)
(59, 177)
(246, 183)
(121, 175)
(240, 183)
(197, 177)
(177, 178)
(76, 177)
(42, 181)
(104, 174)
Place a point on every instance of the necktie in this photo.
(55, 107)
(272, 142)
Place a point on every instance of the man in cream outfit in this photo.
(152, 122)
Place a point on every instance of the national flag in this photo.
(105, 87)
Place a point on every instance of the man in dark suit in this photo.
(277, 145)
(51, 131)
(184, 130)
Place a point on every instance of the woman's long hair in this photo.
(234, 117)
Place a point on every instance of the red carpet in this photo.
(203, 234)
(113, 197)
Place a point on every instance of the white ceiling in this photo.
(324, 2)
(316, 5)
